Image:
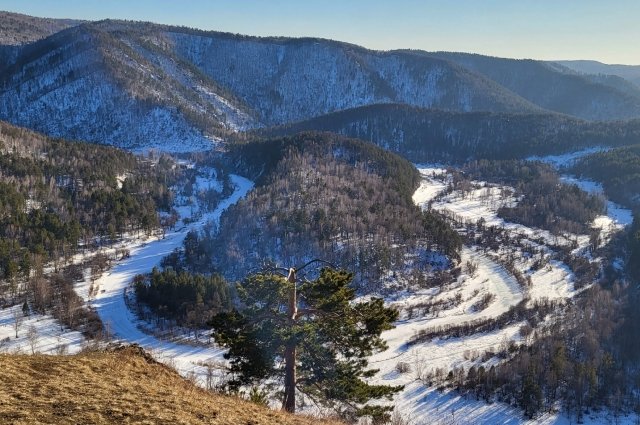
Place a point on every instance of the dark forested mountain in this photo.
(628, 72)
(424, 134)
(22, 29)
(552, 89)
(140, 85)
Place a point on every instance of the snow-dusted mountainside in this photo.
(550, 87)
(293, 79)
(139, 85)
(104, 86)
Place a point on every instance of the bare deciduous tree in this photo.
(32, 337)
(18, 317)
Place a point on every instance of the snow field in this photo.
(37, 333)
(567, 159)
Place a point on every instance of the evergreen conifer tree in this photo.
(314, 337)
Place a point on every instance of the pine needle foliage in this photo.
(333, 334)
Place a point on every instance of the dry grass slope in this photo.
(119, 386)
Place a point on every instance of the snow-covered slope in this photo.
(293, 79)
(85, 83)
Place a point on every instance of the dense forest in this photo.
(633, 264)
(618, 170)
(189, 299)
(57, 197)
(426, 134)
(545, 202)
(325, 196)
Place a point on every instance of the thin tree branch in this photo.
(315, 260)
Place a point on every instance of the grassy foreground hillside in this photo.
(119, 386)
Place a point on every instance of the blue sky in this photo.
(608, 31)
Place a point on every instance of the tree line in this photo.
(545, 202)
(189, 299)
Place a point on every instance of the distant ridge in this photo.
(19, 29)
(141, 85)
(425, 134)
(552, 88)
(628, 72)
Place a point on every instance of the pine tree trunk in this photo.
(289, 402)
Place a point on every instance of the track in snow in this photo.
(114, 313)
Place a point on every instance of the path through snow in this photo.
(110, 303)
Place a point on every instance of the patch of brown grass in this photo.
(121, 386)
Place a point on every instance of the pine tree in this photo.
(313, 338)
(530, 395)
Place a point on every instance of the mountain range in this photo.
(140, 85)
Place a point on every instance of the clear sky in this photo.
(608, 31)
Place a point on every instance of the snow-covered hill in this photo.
(86, 83)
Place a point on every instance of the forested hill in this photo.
(55, 195)
(426, 134)
(325, 196)
(19, 29)
(260, 158)
(619, 172)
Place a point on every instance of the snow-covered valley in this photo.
(42, 333)
(122, 323)
(298, 223)
(484, 291)
(420, 367)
